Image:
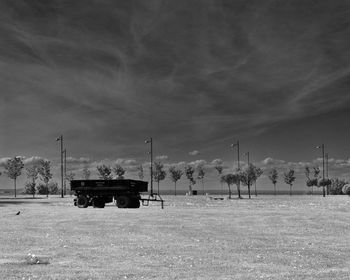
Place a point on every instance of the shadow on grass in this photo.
(8, 200)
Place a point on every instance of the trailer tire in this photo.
(98, 203)
(124, 201)
(82, 201)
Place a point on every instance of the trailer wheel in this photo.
(98, 203)
(82, 201)
(123, 202)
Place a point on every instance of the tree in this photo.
(70, 176)
(105, 172)
(230, 179)
(45, 173)
(119, 171)
(32, 175)
(86, 173)
(248, 176)
(289, 178)
(219, 168)
(140, 172)
(200, 176)
(189, 170)
(53, 188)
(13, 169)
(158, 173)
(30, 188)
(273, 176)
(175, 175)
(311, 182)
(258, 173)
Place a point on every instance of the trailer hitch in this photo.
(153, 197)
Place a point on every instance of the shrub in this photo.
(311, 182)
(346, 189)
(42, 189)
(30, 188)
(53, 188)
(324, 182)
(336, 186)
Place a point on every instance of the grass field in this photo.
(298, 237)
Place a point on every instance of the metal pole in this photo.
(239, 168)
(62, 166)
(151, 166)
(65, 171)
(324, 191)
(327, 165)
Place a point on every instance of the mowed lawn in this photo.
(267, 237)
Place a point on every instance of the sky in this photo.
(194, 75)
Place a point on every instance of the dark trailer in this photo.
(97, 193)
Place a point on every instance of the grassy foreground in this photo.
(298, 237)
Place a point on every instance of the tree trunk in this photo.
(47, 190)
(256, 193)
(33, 188)
(239, 191)
(158, 186)
(229, 191)
(249, 191)
(203, 187)
(14, 180)
(175, 188)
(274, 186)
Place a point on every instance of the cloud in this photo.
(199, 162)
(3, 161)
(127, 162)
(217, 162)
(162, 157)
(270, 161)
(77, 160)
(193, 153)
(33, 160)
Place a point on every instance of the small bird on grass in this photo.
(19, 212)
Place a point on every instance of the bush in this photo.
(53, 188)
(324, 182)
(336, 186)
(346, 189)
(30, 188)
(41, 189)
(311, 182)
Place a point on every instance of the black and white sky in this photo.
(194, 75)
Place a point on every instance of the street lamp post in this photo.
(238, 166)
(323, 171)
(236, 145)
(61, 139)
(247, 154)
(151, 153)
(327, 165)
(65, 171)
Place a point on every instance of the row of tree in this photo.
(39, 170)
(246, 176)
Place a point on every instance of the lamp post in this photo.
(247, 155)
(65, 170)
(233, 146)
(238, 166)
(61, 139)
(327, 165)
(151, 153)
(323, 171)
